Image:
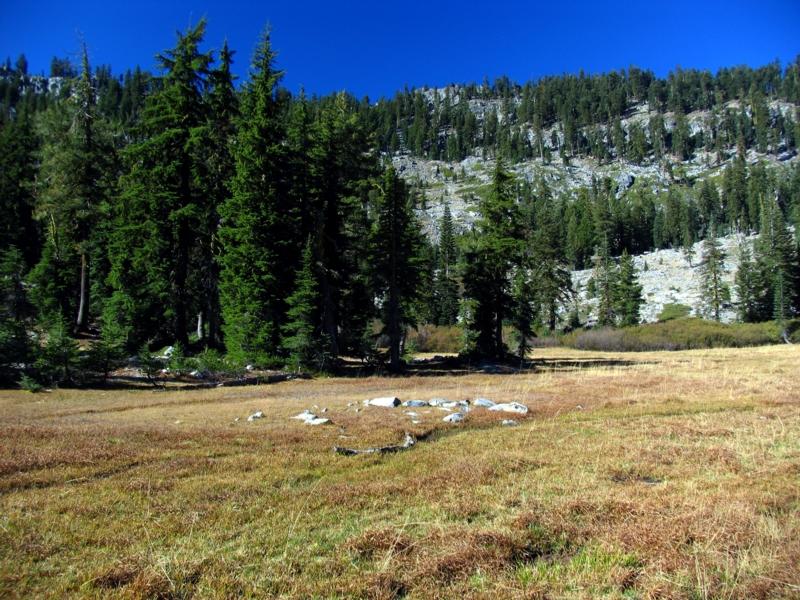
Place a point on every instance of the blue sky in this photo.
(375, 48)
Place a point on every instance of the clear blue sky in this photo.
(375, 48)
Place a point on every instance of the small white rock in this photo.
(255, 415)
(415, 403)
(384, 402)
(513, 407)
(459, 404)
(454, 418)
(305, 416)
(484, 403)
(509, 422)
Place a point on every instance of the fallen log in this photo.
(407, 443)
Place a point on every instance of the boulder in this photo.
(509, 422)
(454, 418)
(462, 405)
(513, 407)
(316, 421)
(415, 403)
(385, 402)
(484, 403)
(255, 415)
(624, 183)
(305, 416)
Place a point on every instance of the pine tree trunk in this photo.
(83, 305)
(394, 302)
(498, 332)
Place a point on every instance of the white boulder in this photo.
(385, 402)
(512, 407)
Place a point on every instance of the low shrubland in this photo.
(682, 334)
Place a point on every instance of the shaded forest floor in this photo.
(633, 475)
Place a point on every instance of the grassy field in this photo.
(634, 475)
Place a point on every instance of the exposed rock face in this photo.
(667, 277)
(461, 183)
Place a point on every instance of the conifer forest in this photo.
(247, 225)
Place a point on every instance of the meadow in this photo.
(635, 475)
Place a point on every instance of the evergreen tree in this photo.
(257, 225)
(605, 278)
(58, 361)
(681, 138)
(445, 296)
(628, 293)
(18, 160)
(398, 266)
(715, 290)
(160, 206)
(489, 262)
(551, 278)
(75, 184)
(749, 289)
(301, 331)
(15, 312)
(216, 171)
(776, 262)
(343, 174)
(522, 309)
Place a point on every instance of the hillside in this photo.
(460, 182)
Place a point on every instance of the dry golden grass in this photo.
(653, 475)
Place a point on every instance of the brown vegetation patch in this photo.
(378, 541)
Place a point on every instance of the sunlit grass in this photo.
(634, 475)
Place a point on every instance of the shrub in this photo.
(677, 334)
(149, 364)
(674, 311)
(436, 338)
(211, 361)
(178, 362)
(59, 360)
(29, 384)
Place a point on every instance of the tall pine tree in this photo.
(397, 245)
(489, 262)
(257, 225)
(161, 204)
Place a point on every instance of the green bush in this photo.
(149, 364)
(211, 361)
(678, 334)
(436, 338)
(178, 363)
(59, 360)
(29, 384)
(671, 312)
